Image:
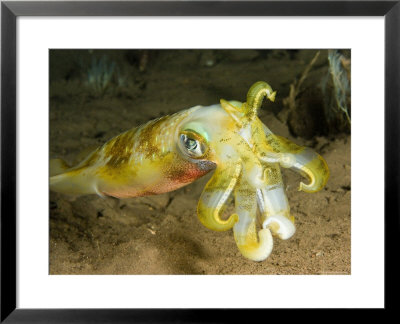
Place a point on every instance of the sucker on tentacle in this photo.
(170, 152)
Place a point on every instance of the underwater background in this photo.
(97, 94)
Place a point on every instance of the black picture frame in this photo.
(10, 10)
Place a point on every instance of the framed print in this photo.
(120, 121)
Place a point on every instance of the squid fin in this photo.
(85, 153)
(73, 183)
(58, 166)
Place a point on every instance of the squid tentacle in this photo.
(214, 196)
(312, 165)
(256, 246)
(248, 245)
(309, 164)
(275, 211)
(253, 169)
(247, 112)
(302, 160)
(255, 97)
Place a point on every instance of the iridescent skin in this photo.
(170, 152)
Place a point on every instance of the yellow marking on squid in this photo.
(318, 172)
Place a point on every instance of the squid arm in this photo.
(289, 155)
(275, 211)
(302, 160)
(256, 246)
(311, 165)
(215, 195)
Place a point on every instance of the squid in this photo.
(227, 138)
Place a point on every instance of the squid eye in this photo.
(192, 145)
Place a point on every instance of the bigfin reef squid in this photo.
(173, 151)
